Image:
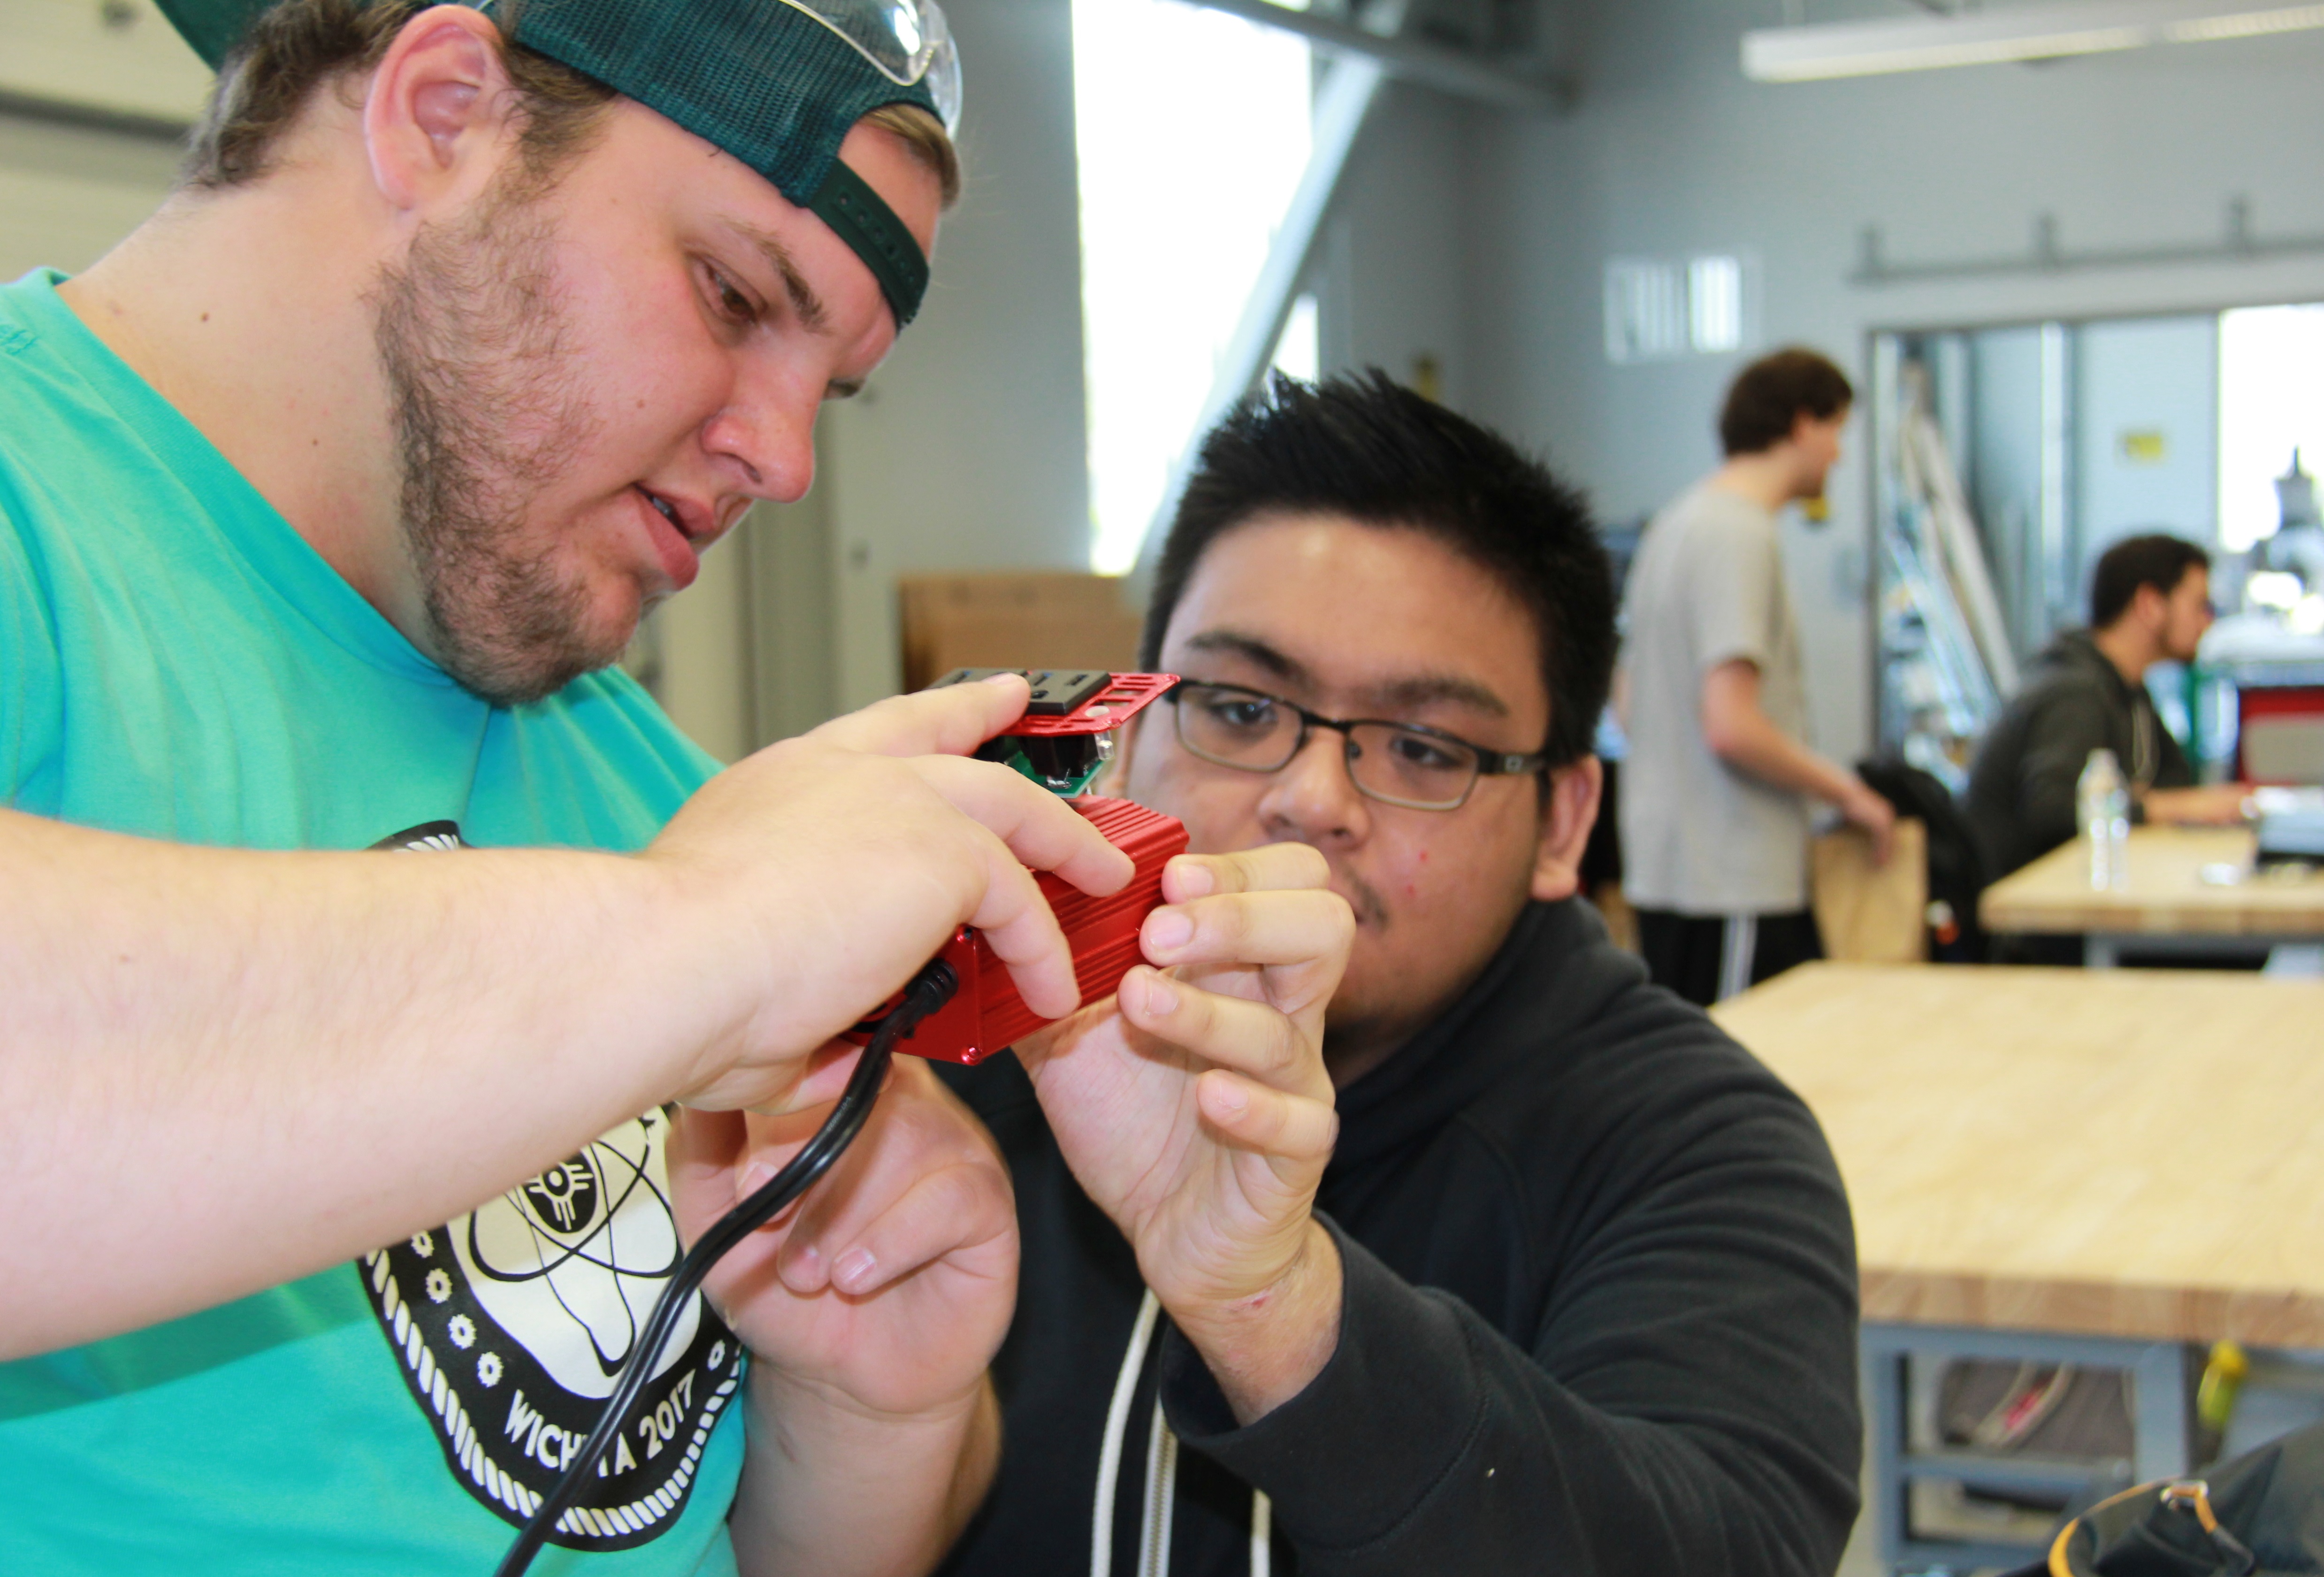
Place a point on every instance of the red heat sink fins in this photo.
(986, 1014)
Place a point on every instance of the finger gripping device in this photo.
(1062, 742)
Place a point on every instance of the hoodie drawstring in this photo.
(1117, 1425)
(1161, 1472)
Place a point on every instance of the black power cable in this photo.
(931, 989)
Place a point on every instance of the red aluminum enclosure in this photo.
(986, 1014)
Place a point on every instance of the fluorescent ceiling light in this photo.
(1985, 38)
(2246, 24)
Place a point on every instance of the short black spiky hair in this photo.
(1369, 450)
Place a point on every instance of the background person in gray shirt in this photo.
(1716, 792)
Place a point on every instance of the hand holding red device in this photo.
(1064, 737)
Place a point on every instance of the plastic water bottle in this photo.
(2103, 799)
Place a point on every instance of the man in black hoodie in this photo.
(1575, 1292)
(2150, 603)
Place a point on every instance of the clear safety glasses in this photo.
(906, 40)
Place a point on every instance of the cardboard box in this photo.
(1019, 619)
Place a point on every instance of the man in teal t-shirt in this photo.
(345, 888)
(208, 637)
(321, 501)
(248, 698)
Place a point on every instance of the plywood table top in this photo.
(2133, 1153)
(2166, 894)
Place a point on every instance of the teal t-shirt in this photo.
(177, 661)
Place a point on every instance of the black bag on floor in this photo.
(2259, 1516)
(1956, 865)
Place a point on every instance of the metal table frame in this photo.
(2104, 949)
(2161, 1388)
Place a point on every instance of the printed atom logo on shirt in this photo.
(510, 1324)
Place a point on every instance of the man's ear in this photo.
(1567, 815)
(437, 116)
(2153, 605)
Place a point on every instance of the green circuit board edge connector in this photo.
(1063, 787)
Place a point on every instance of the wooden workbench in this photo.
(2165, 897)
(2057, 1165)
(2135, 1154)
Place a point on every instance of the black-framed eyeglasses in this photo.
(1408, 764)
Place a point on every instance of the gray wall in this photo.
(1390, 276)
(1671, 150)
(967, 448)
(67, 194)
(2156, 376)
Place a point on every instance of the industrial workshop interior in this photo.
(1701, 623)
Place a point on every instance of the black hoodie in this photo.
(2074, 700)
(1600, 1316)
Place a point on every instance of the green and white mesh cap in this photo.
(776, 83)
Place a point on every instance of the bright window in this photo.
(1192, 129)
(1658, 307)
(2271, 402)
(1300, 351)
(1714, 300)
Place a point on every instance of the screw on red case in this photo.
(986, 1014)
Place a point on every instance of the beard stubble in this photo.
(485, 397)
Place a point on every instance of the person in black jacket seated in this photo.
(2150, 603)
(1576, 1291)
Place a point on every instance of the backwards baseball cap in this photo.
(776, 83)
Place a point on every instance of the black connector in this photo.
(1057, 691)
(1061, 758)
